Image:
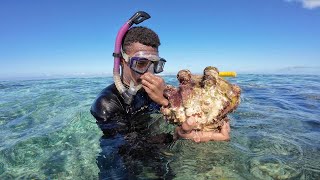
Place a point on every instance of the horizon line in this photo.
(108, 75)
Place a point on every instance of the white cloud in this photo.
(309, 4)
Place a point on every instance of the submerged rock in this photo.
(208, 98)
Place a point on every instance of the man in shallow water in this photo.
(140, 62)
(140, 135)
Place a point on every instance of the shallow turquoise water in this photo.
(47, 132)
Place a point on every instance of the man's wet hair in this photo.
(142, 35)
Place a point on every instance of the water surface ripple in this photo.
(47, 132)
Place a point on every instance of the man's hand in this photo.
(154, 86)
(186, 131)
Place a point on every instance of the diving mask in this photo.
(143, 61)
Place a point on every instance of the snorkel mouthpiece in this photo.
(132, 91)
(127, 94)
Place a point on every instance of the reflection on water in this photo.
(47, 132)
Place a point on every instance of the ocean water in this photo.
(47, 132)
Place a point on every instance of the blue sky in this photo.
(46, 37)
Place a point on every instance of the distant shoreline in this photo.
(26, 78)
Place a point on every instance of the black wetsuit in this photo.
(130, 132)
(110, 103)
(111, 112)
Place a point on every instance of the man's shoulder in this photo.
(109, 94)
(107, 103)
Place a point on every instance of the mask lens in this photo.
(159, 65)
(139, 64)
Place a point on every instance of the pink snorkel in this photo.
(127, 94)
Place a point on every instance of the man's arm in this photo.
(186, 131)
(154, 86)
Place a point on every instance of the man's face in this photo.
(128, 73)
